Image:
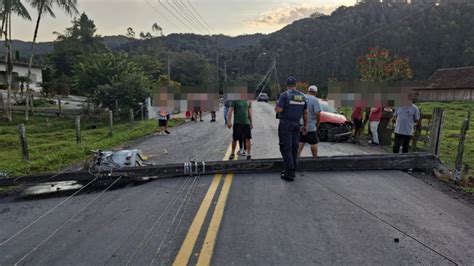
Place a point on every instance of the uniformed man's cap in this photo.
(291, 81)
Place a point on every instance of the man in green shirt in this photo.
(242, 125)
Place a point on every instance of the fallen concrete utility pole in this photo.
(417, 161)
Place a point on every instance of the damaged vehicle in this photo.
(334, 127)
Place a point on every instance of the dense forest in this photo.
(317, 49)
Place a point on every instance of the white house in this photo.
(21, 70)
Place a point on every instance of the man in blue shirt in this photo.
(290, 108)
(314, 114)
(406, 117)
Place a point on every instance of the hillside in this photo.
(316, 49)
(173, 42)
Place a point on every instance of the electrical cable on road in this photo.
(175, 187)
(186, 197)
(66, 222)
(46, 213)
(157, 223)
(387, 223)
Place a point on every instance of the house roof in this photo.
(452, 78)
(23, 64)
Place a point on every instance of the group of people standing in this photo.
(402, 119)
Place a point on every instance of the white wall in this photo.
(36, 75)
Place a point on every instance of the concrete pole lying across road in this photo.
(417, 161)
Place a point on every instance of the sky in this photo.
(229, 17)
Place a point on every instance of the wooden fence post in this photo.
(132, 116)
(24, 144)
(78, 129)
(59, 106)
(141, 111)
(460, 154)
(435, 134)
(111, 122)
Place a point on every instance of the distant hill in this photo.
(174, 42)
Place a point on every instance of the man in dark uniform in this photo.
(291, 106)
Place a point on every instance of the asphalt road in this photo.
(378, 217)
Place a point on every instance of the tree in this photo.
(192, 69)
(8, 9)
(45, 7)
(157, 29)
(106, 78)
(378, 66)
(130, 33)
(77, 41)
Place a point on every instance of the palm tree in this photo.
(9, 8)
(45, 7)
(157, 29)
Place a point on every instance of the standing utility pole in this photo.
(225, 71)
(217, 67)
(169, 72)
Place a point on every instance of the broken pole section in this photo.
(132, 116)
(24, 144)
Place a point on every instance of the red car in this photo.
(334, 126)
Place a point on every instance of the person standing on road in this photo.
(242, 126)
(374, 121)
(406, 118)
(163, 117)
(226, 110)
(314, 114)
(290, 108)
(357, 120)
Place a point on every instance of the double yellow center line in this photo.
(205, 256)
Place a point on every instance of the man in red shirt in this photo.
(374, 120)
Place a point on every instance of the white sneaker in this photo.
(241, 152)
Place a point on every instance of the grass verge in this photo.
(52, 142)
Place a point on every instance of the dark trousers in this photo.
(288, 134)
(401, 140)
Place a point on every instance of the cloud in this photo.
(286, 14)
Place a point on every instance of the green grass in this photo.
(52, 142)
(455, 113)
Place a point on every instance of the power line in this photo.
(187, 12)
(161, 14)
(197, 12)
(204, 25)
(178, 12)
(176, 17)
